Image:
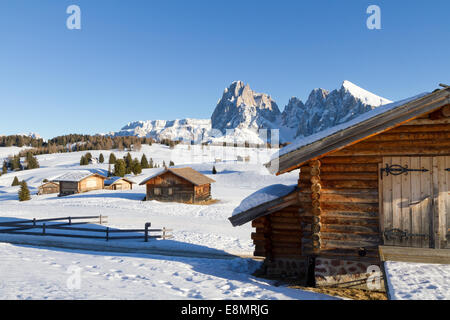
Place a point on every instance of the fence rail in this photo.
(69, 229)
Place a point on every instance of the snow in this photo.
(162, 272)
(364, 95)
(42, 273)
(304, 141)
(262, 196)
(418, 281)
(76, 175)
(6, 152)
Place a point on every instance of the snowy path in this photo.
(418, 281)
(39, 273)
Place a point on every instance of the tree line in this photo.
(126, 165)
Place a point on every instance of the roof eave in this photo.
(396, 117)
(264, 209)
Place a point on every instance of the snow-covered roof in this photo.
(112, 180)
(255, 204)
(372, 122)
(76, 176)
(262, 196)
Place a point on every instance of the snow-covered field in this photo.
(37, 273)
(418, 281)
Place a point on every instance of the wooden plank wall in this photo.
(203, 193)
(91, 183)
(66, 187)
(183, 190)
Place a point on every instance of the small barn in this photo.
(48, 188)
(378, 182)
(79, 182)
(178, 185)
(118, 183)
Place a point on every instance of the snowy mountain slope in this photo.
(186, 129)
(241, 113)
(325, 109)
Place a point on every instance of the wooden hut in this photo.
(178, 185)
(79, 181)
(118, 183)
(380, 180)
(48, 188)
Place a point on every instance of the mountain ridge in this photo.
(241, 113)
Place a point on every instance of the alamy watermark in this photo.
(73, 22)
(374, 20)
(74, 280)
(374, 280)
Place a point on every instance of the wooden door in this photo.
(406, 190)
(441, 185)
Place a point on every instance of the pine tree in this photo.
(24, 192)
(136, 167)
(151, 165)
(15, 163)
(214, 171)
(32, 162)
(84, 161)
(15, 182)
(88, 157)
(164, 165)
(144, 162)
(109, 170)
(119, 168)
(4, 168)
(171, 164)
(128, 163)
(101, 159)
(112, 158)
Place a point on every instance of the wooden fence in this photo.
(66, 227)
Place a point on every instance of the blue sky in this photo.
(144, 59)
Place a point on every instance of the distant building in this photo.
(79, 181)
(178, 185)
(243, 159)
(48, 188)
(118, 183)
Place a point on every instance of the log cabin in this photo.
(178, 185)
(378, 181)
(79, 182)
(48, 188)
(118, 183)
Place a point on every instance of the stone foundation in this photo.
(282, 267)
(347, 274)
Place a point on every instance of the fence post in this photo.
(147, 225)
(164, 233)
(107, 233)
(34, 222)
(70, 221)
(43, 228)
(100, 219)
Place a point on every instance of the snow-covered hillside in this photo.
(241, 113)
(40, 273)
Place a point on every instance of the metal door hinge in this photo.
(396, 169)
(400, 234)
